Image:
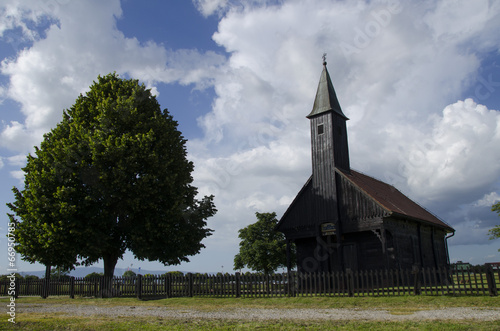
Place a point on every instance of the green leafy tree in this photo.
(31, 277)
(495, 232)
(59, 273)
(174, 273)
(111, 176)
(5, 278)
(94, 275)
(129, 273)
(261, 247)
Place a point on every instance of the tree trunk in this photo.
(109, 265)
(45, 292)
(266, 277)
(109, 270)
(47, 272)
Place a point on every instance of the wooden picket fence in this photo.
(425, 281)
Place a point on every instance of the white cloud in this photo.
(19, 175)
(398, 67)
(399, 86)
(17, 160)
(460, 155)
(210, 7)
(17, 15)
(47, 77)
(488, 200)
(479, 14)
(15, 134)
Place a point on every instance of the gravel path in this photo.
(483, 314)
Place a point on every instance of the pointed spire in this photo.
(326, 98)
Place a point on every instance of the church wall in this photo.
(307, 255)
(317, 254)
(400, 244)
(369, 251)
(406, 243)
(416, 244)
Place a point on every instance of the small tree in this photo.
(94, 275)
(59, 273)
(31, 277)
(174, 273)
(129, 273)
(4, 278)
(495, 232)
(261, 247)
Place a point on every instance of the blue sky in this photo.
(419, 81)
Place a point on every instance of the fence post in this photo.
(290, 279)
(138, 287)
(416, 284)
(238, 284)
(17, 287)
(168, 292)
(490, 278)
(45, 288)
(72, 287)
(101, 286)
(190, 284)
(350, 282)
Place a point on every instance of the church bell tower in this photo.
(329, 149)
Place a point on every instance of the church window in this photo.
(321, 128)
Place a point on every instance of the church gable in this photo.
(298, 219)
(356, 204)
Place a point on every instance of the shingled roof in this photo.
(326, 98)
(391, 199)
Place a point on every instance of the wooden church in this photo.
(343, 219)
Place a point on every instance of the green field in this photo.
(396, 305)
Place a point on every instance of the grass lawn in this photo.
(54, 322)
(396, 305)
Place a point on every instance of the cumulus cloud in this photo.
(17, 160)
(398, 67)
(488, 200)
(474, 220)
(461, 154)
(19, 175)
(47, 77)
(15, 134)
(398, 74)
(15, 15)
(210, 7)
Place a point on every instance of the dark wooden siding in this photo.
(323, 180)
(371, 255)
(339, 137)
(406, 242)
(300, 220)
(359, 210)
(417, 244)
(317, 254)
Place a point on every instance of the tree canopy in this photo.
(495, 232)
(112, 175)
(129, 273)
(261, 247)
